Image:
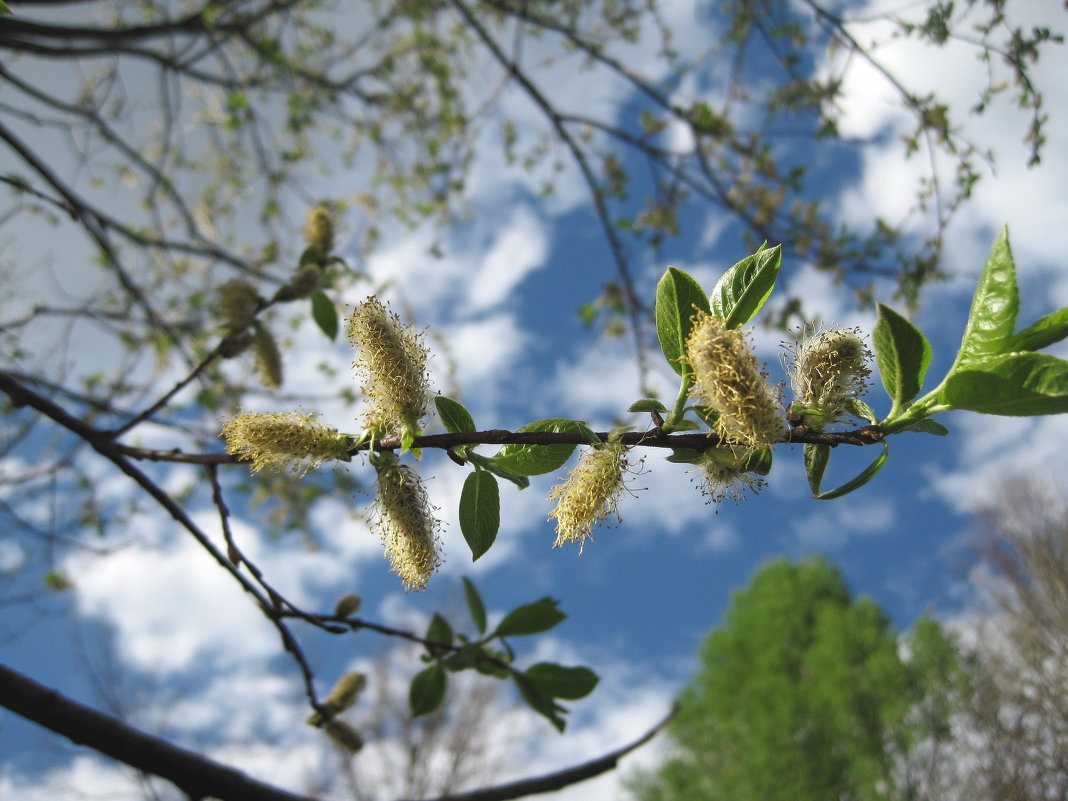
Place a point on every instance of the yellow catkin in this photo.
(828, 372)
(344, 693)
(589, 495)
(319, 229)
(722, 479)
(728, 378)
(279, 440)
(391, 365)
(236, 303)
(403, 519)
(343, 736)
(268, 357)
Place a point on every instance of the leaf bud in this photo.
(348, 605)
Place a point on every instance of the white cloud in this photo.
(848, 518)
(518, 249)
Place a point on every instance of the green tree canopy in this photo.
(802, 694)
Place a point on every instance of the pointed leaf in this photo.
(678, 296)
(488, 464)
(324, 312)
(902, 353)
(1017, 384)
(427, 690)
(1043, 333)
(539, 701)
(816, 458)
(475, 605)
(994, 307)
(926, 425)
(532, 618)
(480, 512)
(533, 460)
(859, 481)
(439, 636)
(648, 405)
(557, 681)
(741, 292)
(455, 418)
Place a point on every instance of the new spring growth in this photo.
(590, 493)
(319, 230)
(723, 477)
(268, 357)
(279, 440)
(391, 365)
(344, 693)
(829, 372)
(236, 303)
(728, 378)
(402, 517)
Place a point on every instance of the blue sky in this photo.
(160, 621)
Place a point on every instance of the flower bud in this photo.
(829, 372)
(319, 229)
(303, 284)
(348, 605)
(728, 378)
(278, 440)
(344, 736)
(403, 519)
(590, 494)
(391, 364)
(344, 693)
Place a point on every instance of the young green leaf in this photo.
(311, 255)
(488, 464)
(816, 458)
(926, 425)
(455, 418)
(997, 300)
(557, 681)
(648, 405)
(741, 291)
(533, 460)
(902, 353)
(1044, 332)
(757, 461)
(867, 475)
(678, 296)
(439, 636)
(532, 618)
(686, 456)
(324, 312)
(475, 605)
(1017, 384)
(541, 703)
(480, 512)
(427, 690)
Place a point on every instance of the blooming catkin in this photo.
(728, 378)
(829, 371)
(391, 364)
(236, 303)
(722, 477)
(278, 440)
(403, 520)
(590, 494)
(343, 695)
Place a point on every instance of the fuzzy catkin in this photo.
(728, 378)
(403, 519)
(589, 495)
(278, 440)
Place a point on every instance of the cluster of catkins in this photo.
(828, 373)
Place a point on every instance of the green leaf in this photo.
(686, 456)
(742, 290)
(1017, 384)
(926, 425)
(902, 353)
(539, 702)
(439, 636)
(480, 512)
(488, 464)
(311, 255)
(475, 605)
(859, 481)
(994, 307)
(455, 418)
(324, 312)
(678, 296)
(648, 405)
(533, 460)
(532, 618)
(427, 690)
(5, 9)
(557, 681)
(757, 461)
(816, 458)
(1049, 329)
(862, 410)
